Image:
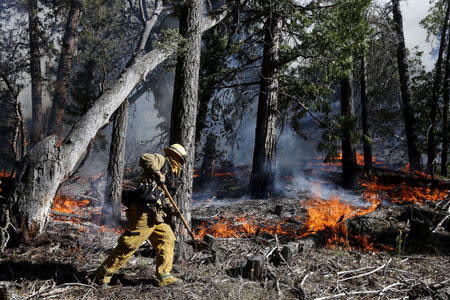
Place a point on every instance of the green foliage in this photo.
(171, 41)
(434, 20)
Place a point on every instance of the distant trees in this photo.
(437, 24)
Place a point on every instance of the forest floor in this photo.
(55, 266)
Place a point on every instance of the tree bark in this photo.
(414, 158)
(435, 97)
(367, 145)
(47, 166)
(61, 96)
(446, 98)
(264, 154)
(35, 74)
(116, 165)
(349, 163)
(184, 107)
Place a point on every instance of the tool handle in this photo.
(180, 214)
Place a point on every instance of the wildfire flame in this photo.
(245, 226)
(403, 193)
(330, 215)
(68, 205)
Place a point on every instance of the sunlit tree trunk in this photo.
(116, 165)
(414, 158)
(184, 107)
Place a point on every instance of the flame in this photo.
(402, 193)
(330, 215)
(415, 173)
(245, 226)
(6, 174)
(65, 204)
(337, 160)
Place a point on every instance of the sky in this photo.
(414, 11)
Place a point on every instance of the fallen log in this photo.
(407, 228)
(382, 226)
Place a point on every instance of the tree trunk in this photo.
(435, 97)
(264, 154)
(349, 164)
(367, 143)
(414, 158)
(47, 166)
(184, 107)
(35, 74)
(116, 164)
(61, 95)
(446, 96)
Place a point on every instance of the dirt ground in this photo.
(56, 265)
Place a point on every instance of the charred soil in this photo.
(300, 259)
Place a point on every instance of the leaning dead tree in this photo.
(48, 164)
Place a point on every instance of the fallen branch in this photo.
(439, 225)
(345, 294)
(368, 273)
(67, 215)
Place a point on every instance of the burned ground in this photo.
(371, 254)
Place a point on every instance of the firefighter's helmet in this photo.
(176, 151)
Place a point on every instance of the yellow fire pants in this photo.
(162, 239)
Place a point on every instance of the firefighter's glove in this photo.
(168, 208)
(160, 178)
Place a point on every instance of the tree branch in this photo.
(305, 108)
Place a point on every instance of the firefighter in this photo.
(147, 217)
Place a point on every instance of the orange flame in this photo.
(329, 216)
(245, 226)
(68, 205)
(402, 193)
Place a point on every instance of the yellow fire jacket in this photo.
(152, 164)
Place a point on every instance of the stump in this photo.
(4, 295)
(278, 210)
(281, 257)
(210, 242)
(255, 268)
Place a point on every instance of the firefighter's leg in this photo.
(163, 240)
(127, 244)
